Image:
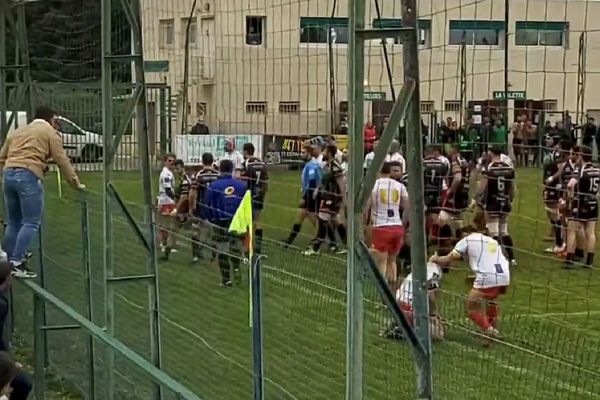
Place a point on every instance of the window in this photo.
(550, 105)
(193, 30)
(423, 26)
(167, 33)
(200, 110)
(452, 105)
(255, 30)
(67, 128)
(426, 106)
(478, 33)
(544, 33)
(256, 107)
(323, 30)
(289, 107)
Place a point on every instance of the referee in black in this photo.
(21, 383)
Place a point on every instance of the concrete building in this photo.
(280, 67)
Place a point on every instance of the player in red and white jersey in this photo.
(491, 269)
(404, 297)
(166, 201)
(387, 197)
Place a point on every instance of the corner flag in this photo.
(242, 224)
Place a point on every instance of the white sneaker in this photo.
(513, 263)
(493, 332)
(310, 252)
(174, 250)
(555, 249)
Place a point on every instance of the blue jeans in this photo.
(24, 203)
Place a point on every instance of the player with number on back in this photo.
(583, 191)
(491, 270)
(435, 169)
(383, 208)
(254, 172)
(202, 230)
(495, 193)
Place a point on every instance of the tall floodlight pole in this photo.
(416, 211)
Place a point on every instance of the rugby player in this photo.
(166, 203)
(435, 169)
(496, 191)
(456, 198)
(254, 172)
(331, 197)
(491, 270)
(311, 179)
(552, 191)
(201, 228)
(384, 204)
(583, 189)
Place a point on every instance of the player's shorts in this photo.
(309, 202)
(407, 310)
(330, 203)
(166, 209)
(492, 293)
(585, 213)
(433, 203)
(497, 208)
(496, 224)
(551, 194)
(388, 239)
(456, 203)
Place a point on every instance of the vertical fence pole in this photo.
(107, 166)
(43, 283)
(39, 348)
(257, 333)
(354, 277)
(3, 75)
(87, 274)
(163, 115)
(414, 157)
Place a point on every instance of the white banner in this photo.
(190, 148)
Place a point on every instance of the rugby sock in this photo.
(343, 233)
(558, 240)
(579, 254)
(479, 319)
(321, 234)
(294, 234)
(331, 235)
(259, 239)
(569, 258)
(224, 268)
(590, 259)
(492, 313)
(195, 246)
(508, 245)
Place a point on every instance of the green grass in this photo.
(549, 318)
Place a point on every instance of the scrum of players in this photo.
(571, 185)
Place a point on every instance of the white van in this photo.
(79, 144)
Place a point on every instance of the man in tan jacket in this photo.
(23, 158)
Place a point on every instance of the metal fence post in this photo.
(257, 332)
(87, 274)
(39, 348)
(42, 282)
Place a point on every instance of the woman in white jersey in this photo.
(491, 270)
(387, 197)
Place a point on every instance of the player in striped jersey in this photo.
(456, 198)
(553, 191)
(254, 172)
(435, 170)
(202, 231)
(496, 191)
(582, 191)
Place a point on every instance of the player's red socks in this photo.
(479, 319)
(492, 313)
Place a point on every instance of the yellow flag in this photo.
(242, 224)
(59, 182)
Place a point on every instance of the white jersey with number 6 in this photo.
(486, 259)
(386, 198)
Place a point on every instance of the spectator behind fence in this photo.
(24, 157)
(12, 379)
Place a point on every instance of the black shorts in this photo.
(433, 202)
(551, 194)
(309, 202)
(585, 213)
(330, 203)
(498, 208)
(457, 203)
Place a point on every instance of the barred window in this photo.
(289, 107)
(256, 107)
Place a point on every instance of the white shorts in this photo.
(497, 227)
(484, 281)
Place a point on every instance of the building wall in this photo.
(283, 69)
